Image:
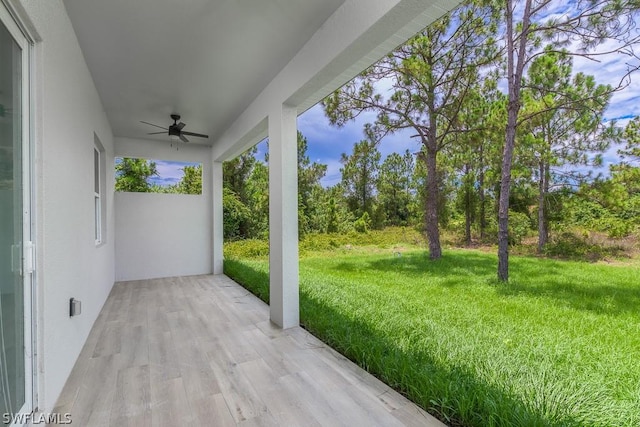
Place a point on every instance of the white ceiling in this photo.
(204, 59)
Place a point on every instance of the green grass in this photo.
(558, 345)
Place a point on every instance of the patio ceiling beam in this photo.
(358, 34)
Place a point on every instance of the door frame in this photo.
(12, 23)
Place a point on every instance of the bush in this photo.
(363, 224)
(457, 223)
(318, 242)
(235, 213)
(519, 228)
(250, 248)
(614, 227)
(580, 246)
(321, 242)
(619, 222)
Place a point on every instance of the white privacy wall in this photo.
(163, 235)
(67, 114)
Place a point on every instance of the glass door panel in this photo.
(12, 304)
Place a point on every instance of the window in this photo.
(99, 206)
(139, 175)
(97, 196)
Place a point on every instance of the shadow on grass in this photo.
(600, 298)
(529, 276)
(451, 393)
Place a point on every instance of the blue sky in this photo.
(169, 173)
(327, 142)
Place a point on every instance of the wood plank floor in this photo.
(200, 351)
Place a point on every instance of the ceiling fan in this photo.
(175, 129)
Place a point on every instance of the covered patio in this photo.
(144, 349)
(199, 350)
(239, 72)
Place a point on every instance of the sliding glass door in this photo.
(15, 281)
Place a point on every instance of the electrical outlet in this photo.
(75, 307)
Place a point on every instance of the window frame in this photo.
(14, 23)
(99, 192)
(97, 195)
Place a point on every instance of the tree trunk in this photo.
(505, 189)
(467, 208)
(467, 220)
(547, 183)
(515, 68)
(543, 232)
(483, 214)
(396, 208)
(431, 211)
(363, 195)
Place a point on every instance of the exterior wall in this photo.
(67, 114)
(163, 235)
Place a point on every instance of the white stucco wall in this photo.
(68, 112)
(163, 235)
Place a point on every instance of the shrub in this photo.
(580, 246)
(363, 224)
(614, 227)
(456, 223)
(321, 242)
(318, 242)
(519, 228)
(235, 213)
(250, 248)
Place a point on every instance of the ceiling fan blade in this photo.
(199, 135)
(147, 123)
(156, 133)
(183, 138)
(180, 125)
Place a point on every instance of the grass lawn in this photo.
(558, 345)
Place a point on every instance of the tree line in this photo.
(493, 82)
(375, 193)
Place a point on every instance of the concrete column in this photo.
(283, 217)
(217, 218)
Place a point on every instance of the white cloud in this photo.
(315, 126)
(399, 142)
(623, 106)
(169, 172)
(333, 175)
(610, 69)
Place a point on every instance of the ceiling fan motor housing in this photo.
(175, 129)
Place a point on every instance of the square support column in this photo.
(283, 217)
(217, 263)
